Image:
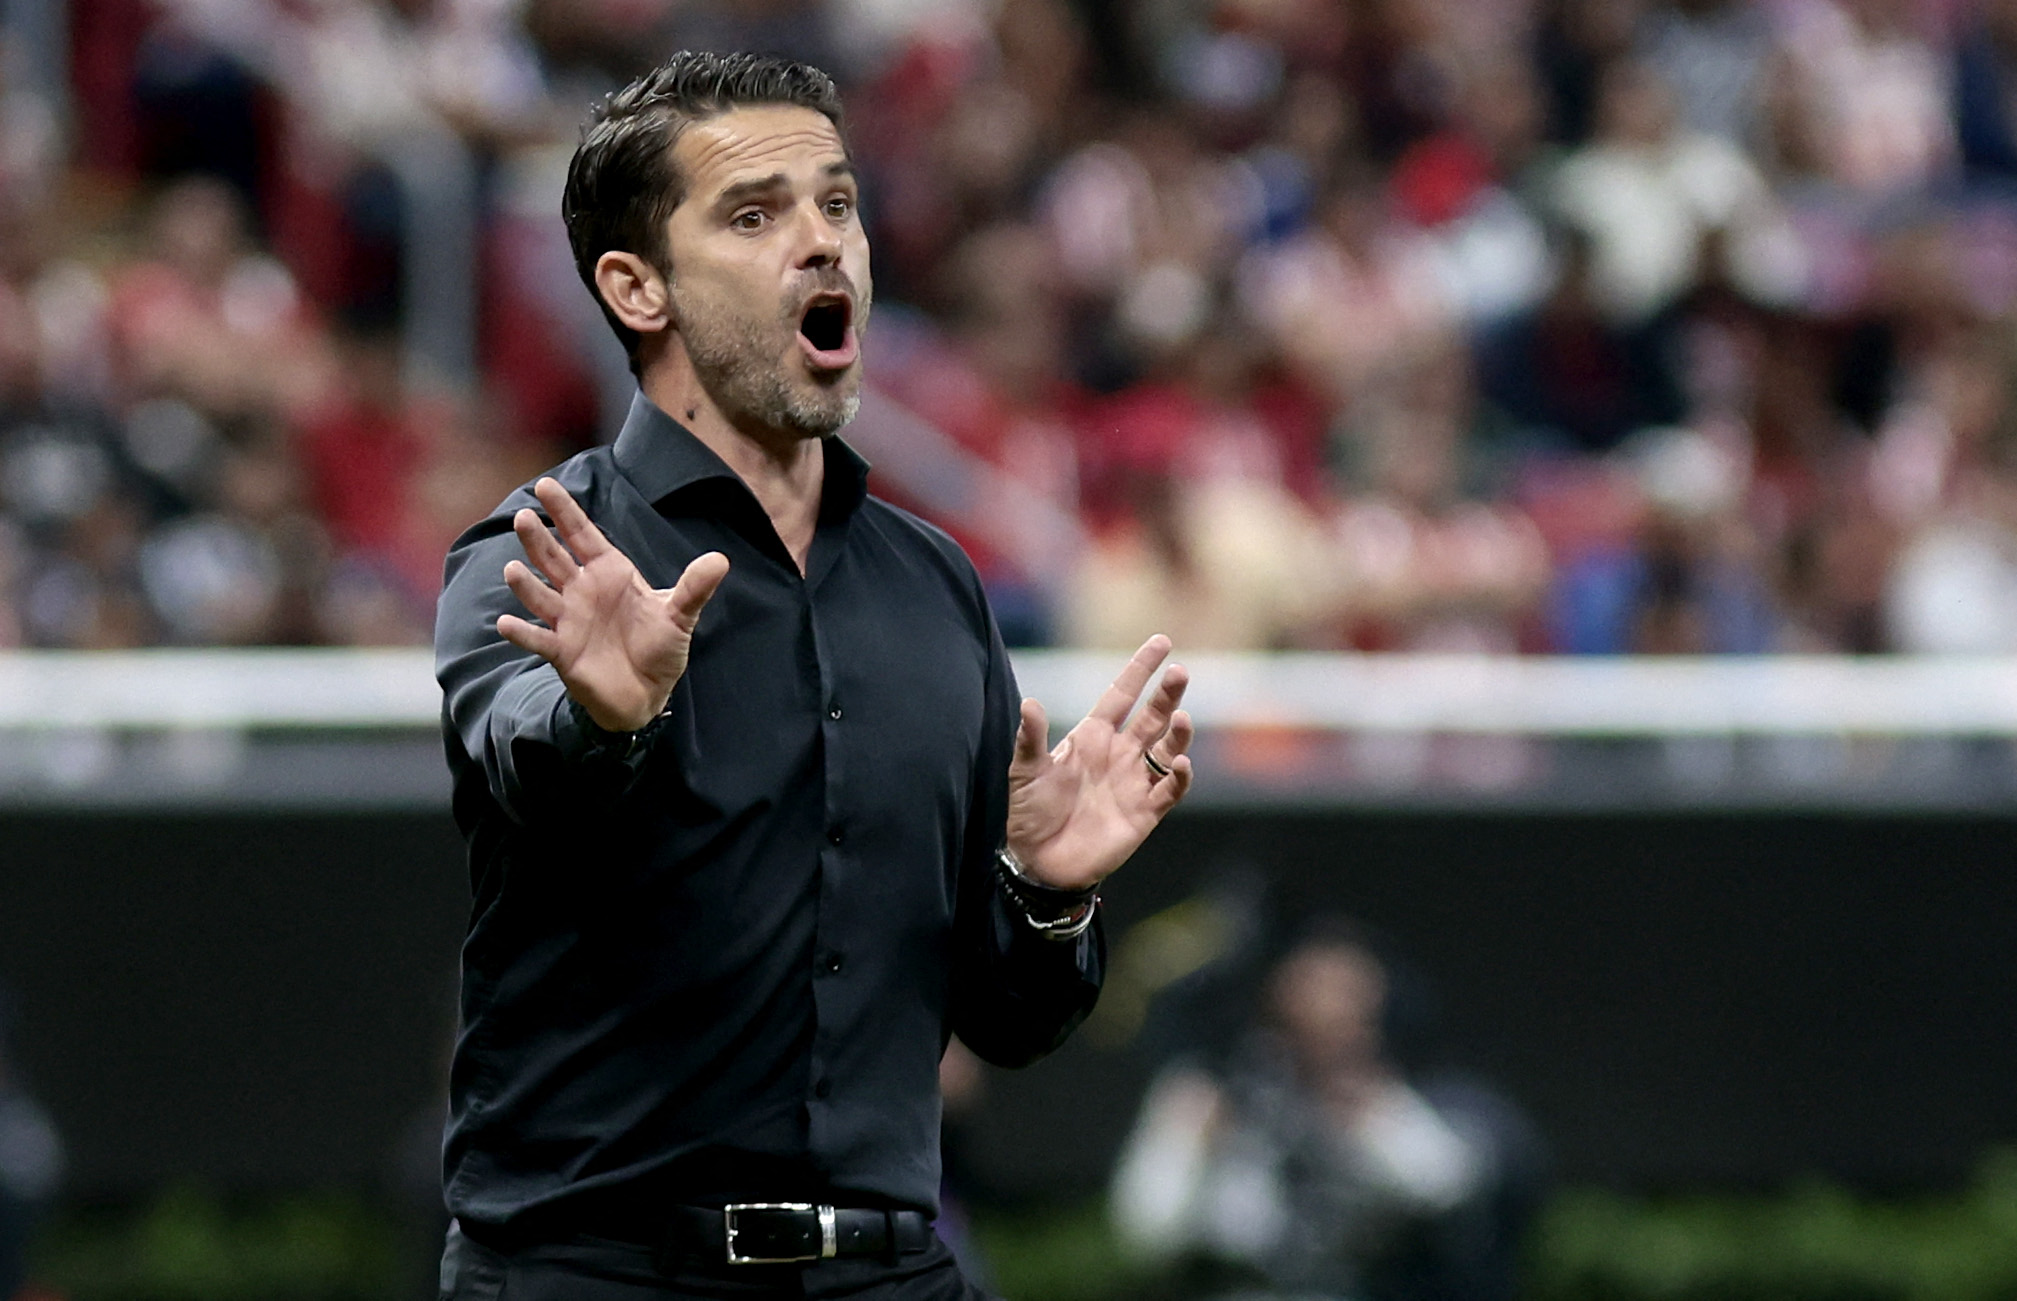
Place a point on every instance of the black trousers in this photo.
(592, 1270)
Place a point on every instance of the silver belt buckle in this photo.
(829, 1235)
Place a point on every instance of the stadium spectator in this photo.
(1568, 372)
(1942, 471)
(1866, 103)
(204, 317)
(1714, 55)
(1647, 191)
(1429, 561)
(1985, 58)
(1198, 523)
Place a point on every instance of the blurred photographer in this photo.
(1311, 1166)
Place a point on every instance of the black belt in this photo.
(741, 1234)
(776, 1233)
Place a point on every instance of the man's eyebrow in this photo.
(756, 186)
(751, 188)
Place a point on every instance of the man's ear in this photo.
(634, 290)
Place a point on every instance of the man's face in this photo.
(769, 281)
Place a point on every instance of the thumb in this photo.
(696, 587)
(1032, 736)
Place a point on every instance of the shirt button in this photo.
(834, 713)
(833, 963)
(823, 1089)
(833, 836)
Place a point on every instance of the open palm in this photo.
(1078, 810)
(619, 644)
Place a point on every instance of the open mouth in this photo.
(824, 327)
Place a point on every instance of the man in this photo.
(756, 820)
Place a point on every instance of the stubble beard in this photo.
(734, 357)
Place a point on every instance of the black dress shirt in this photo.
(720, 960)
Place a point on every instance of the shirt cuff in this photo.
(582, 740)
(1042, 958)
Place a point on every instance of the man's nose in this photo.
(819, 239)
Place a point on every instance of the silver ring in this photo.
(1158, 769)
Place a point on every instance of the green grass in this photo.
(1815, 1242)
(1060, 1255)
(188, 1245)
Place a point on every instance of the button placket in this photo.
(833, 870)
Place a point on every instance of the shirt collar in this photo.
(660, 456)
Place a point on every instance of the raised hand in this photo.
(619, 644)
(1077, 811)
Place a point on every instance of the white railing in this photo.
(1544, 696)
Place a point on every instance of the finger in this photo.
(575, 528)
(1154, 717)
(543, 642)
(543, 601)
(1031, 733)
(543, 549)
(1171, 744)
(1119, 698)
(696, 587)
(1163, 796)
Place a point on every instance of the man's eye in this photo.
(839, 207)
(747, 219)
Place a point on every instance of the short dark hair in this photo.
(622, 185)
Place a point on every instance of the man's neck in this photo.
(787, 473)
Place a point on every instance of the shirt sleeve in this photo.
(1015, 994)
(504, 708)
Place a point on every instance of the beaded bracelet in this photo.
(1051, 912)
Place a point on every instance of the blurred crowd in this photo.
(1506, 325)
